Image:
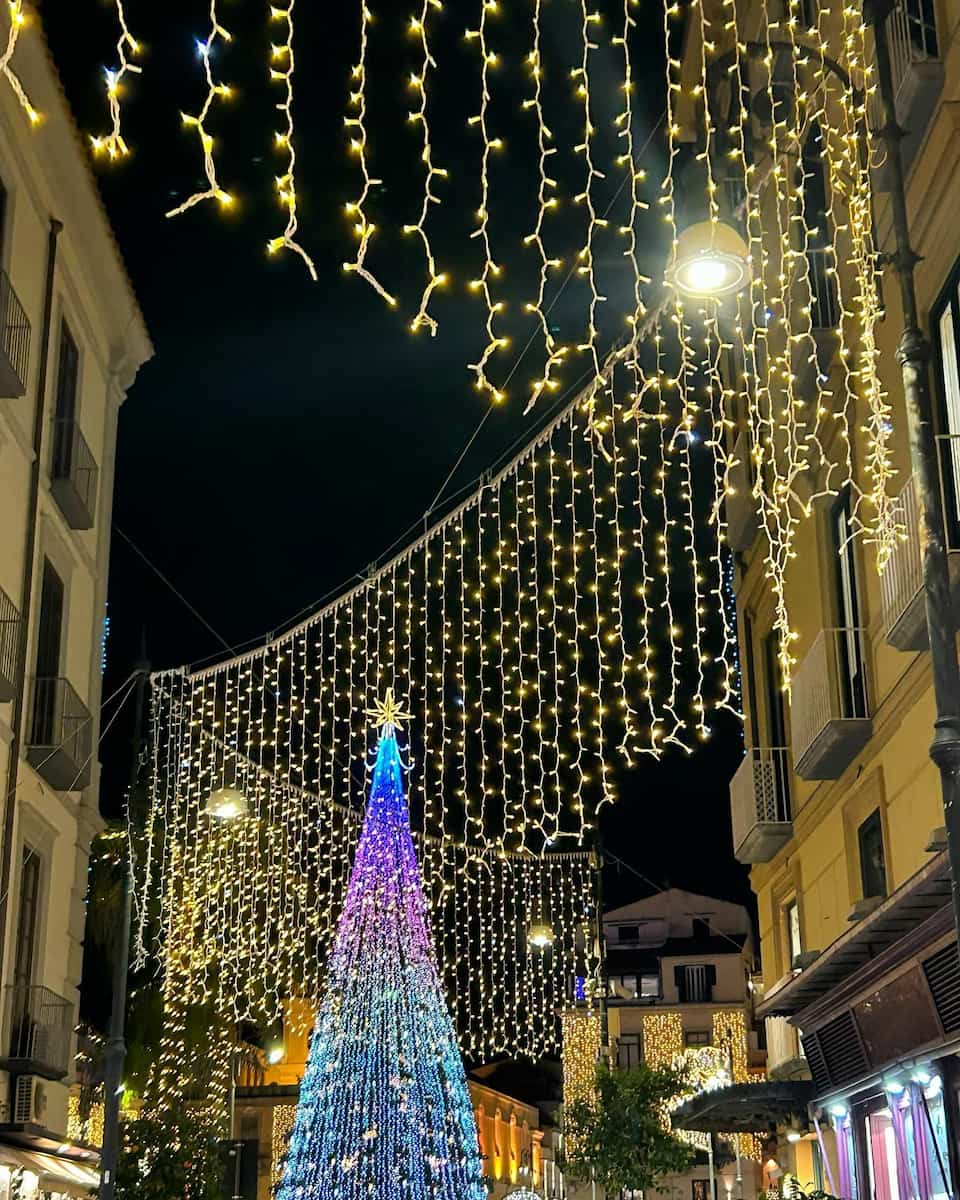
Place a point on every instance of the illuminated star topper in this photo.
(387, 714)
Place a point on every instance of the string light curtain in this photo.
(248, 907)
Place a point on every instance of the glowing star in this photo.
(387, 713)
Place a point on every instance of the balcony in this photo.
(41, 1031)
(917, 68)
(14, 342)
(760, 804)
(74, 476)
(829, 710)
(60, 745)
(824, 297)
(743, 520)
(10, 626)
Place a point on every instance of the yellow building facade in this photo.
(837, 806)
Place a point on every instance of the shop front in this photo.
(879, 1018)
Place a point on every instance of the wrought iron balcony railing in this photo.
(825, 301)
(10, 628)
(760, 804)
(60, 745)
(14, 342)
(830, 712)
(40, 1032)
(74, 475)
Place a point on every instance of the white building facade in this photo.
(72, 339)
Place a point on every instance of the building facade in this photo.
(837, 806)
(71, 341)
(679, 983)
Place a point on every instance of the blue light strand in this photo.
(384, 1107)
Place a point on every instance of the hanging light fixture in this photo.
(710, 262)
(226, 804)
(540, 935)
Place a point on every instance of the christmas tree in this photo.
(384, 1108)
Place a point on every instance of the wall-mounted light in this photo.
(710, 262)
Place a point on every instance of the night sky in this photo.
(287, 433)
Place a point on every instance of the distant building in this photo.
(678, 969)
(71, 341)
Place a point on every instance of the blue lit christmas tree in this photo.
(384, 1108)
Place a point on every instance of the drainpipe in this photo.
(26, 592)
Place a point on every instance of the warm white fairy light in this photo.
(113, 143)
(483, 285)
(431, 172)
(18, 19)
(282, 66)
(586, 265)
(547, 201)
(215, 90)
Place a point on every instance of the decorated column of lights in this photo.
(215, 90)
(431, 172)
(282, 66)
(18, 20)
(113, 144)
(581, 1056)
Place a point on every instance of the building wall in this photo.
(820, 865)
(45, 175)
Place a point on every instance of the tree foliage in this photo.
(175, 1157)
(621, 1137)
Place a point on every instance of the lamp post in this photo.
(913, 355)
(116, 1049)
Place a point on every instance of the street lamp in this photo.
(710, 261)
(275, 1052)
(226, 804)
(540, 935)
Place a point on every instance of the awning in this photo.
(745, 1107)
(914, 902)
(56, 1174)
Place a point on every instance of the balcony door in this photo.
(25, 954)
(68, 378)
(848, 647)
(776, 725)
(49, 645)
(946, 324)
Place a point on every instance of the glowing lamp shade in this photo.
(540, 935)
(275, 1053)
(711, 261)
(226, 804)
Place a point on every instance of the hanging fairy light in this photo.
(18, 20)
(197, 122)
(113, 143)
(282, 65)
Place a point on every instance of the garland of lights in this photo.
(384, 1106)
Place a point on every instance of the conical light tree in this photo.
(384, 1108)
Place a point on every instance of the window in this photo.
(68, 374)
(27, 921)
(65, 413)
(946, 324)
(849, 649)
(751, 679)
(649, 987)
(628, 1051)
(873, 871)
(697, 1037)
(50, 627)
(809, 11)
(791, 921)
(622, 987)
(695, 982)
(628, 933)
(825, 309)
(773, 682)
